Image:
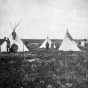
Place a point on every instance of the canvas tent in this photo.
(68, 44)
(82, 44)
(14, 39)
(47, 40)
(4, 47)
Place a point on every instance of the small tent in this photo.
(14, 39)
(84, 43)
(4, 47)
(47, 40)
(68, 44)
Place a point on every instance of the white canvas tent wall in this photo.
(68, 44)
(43, 45)
(4, 47)
(21, 46)
(82, 44)
(54, 46)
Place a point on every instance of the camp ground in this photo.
(13, 41)
(43, 63)
(43, 43)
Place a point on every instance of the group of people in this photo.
(9, 47)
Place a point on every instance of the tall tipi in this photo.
(47, 40)
(68, 44)
(14, 39)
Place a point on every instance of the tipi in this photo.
(14, 39)
(68, 44)
(47, 40)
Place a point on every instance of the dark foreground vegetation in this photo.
(48, 69)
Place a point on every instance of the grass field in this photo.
(44, 68)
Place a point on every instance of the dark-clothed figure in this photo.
(47, 45)
(8, 45)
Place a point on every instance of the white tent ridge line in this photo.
(68, 44)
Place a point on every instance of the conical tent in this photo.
(14, 39)
(47, 40)
(4, 47)
(68, 44)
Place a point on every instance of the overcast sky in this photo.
(39, 18)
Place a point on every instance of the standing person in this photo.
(47, 45)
